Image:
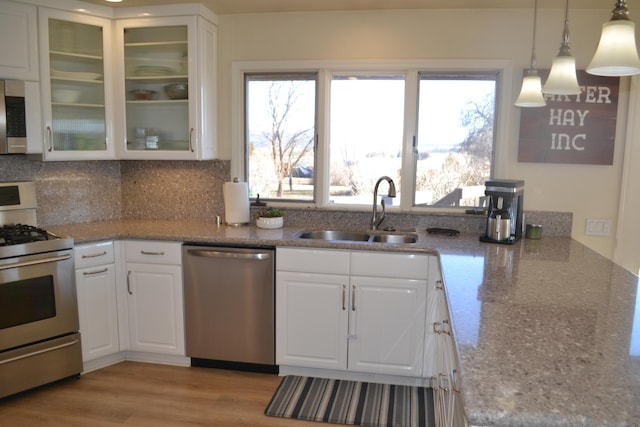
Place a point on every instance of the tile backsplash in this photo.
(85, 191)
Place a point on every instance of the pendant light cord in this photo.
(532, 68)
(564, 48)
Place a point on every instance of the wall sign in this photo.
(578, 129)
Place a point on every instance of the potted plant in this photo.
(269, 218)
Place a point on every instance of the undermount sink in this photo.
(394, 238)
(357, 236)
(352, 236)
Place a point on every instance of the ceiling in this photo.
(224, 7)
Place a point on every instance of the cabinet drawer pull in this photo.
(151, 253)
(353, 298)
(50, 136)
(91, 273)
(94, 255)
(344, 297)
(129, 282)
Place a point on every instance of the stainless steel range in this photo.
(39, 339)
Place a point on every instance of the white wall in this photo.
(587, 191)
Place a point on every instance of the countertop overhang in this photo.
(547, 331)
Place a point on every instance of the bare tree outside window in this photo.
(455, 140)
(281, 136)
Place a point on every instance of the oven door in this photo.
(37, 298)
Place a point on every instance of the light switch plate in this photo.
(598, 227)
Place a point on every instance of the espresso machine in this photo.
(504, 217)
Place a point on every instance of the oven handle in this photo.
(44, 350)
(34, 262)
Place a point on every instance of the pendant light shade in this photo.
(617, 54)
(531, 92)
(562, 78)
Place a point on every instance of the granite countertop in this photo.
(547, 331)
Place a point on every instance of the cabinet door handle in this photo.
(353, 298)
(129, 282)
(91, 273)
(50, 136)
(344, 297)
(151, 253)
(94, 255)
(191, 139)
(439, 285)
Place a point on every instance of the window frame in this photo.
(410, 69)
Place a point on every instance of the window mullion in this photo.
(322, 178)
(408, 173)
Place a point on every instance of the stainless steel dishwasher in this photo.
(229, 298)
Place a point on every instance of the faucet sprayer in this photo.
(375, 219)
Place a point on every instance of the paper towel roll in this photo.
(236, 203)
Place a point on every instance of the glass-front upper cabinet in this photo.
(76, 86)
(167, 77)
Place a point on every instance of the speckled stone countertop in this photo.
(547, 331)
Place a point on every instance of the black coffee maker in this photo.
(504, 218)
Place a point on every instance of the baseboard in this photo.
(354, 376)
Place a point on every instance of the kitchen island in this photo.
(544, 328)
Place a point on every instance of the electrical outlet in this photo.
(598, 227)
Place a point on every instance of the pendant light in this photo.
(531, 92)
(617, 54)
(562, 78)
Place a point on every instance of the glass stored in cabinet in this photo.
(156, 84)
(76, 60)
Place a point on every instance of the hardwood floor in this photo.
(149, 395)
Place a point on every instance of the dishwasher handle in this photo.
(213, 253)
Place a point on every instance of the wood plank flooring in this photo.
(149, 395)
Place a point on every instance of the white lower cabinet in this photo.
(311, 319)
(440, 361)
(97, 303)
(154, 297)
(386, 326)
(351, 310)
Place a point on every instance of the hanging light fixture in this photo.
(562, 78)
(531, 92)
(617, 54)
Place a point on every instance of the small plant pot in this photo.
(264, 222)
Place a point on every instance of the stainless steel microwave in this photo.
(13, 120)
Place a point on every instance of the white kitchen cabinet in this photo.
(76, 85)
(336, 312)
(439, 357)
(155, 297)
(386, 326)
(440, 361)
(18, 41)
(97, 302)
(154, 55)
(311, 320)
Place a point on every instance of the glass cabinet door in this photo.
(76, 64)
(156, 69)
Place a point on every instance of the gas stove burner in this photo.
(20, 233)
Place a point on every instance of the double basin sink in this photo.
(359, 236)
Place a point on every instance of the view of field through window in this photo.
(452, 153)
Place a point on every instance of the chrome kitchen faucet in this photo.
(375, 219)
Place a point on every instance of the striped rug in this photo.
(352, 402)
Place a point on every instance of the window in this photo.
(280, 135)
(323, 136)
(366, 134)
(454, 147)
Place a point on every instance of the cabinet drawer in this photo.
(93, 254)
(380, 264)
(152, 252)
(312, 261)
